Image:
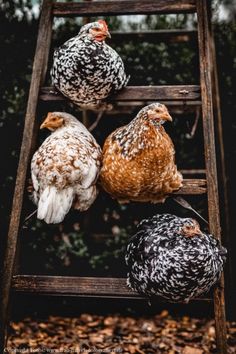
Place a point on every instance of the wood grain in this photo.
(206, 64)
(76, 286)
(193, 186)
(222, 175)
(196, 171)
(136, 93)
(123, 7)
(39, 70)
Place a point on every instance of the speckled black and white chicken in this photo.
(171, 257)
(65, 168)
(86, 70)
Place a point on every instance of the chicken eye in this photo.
(96, 29)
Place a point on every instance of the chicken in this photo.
(86, 70)
(138, 159)
(170, 257)
(65, 168)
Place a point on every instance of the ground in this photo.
(117, 334)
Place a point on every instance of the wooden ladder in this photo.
(190, 94)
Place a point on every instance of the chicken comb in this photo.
(103, 22)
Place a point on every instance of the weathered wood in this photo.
(126, 108)
(123, 7)
(76, 286)
(176, 104)
(219, 133)
(178, 109)
(208, 124)
(193, 186)
(224, 202)
(222, 176)
(210, 160)
(220, 318)
(136, 93)
(89, 286)
(196, 171)
(39, 70)
(170, 36)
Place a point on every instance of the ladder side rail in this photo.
(38, 75)
(210, 160)
(222, 176)
(219, 126)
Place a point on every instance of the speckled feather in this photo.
(138, 161)
(87, 71)
(64, 170)
(164, 261)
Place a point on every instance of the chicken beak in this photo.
(102, 35)
(44, 125)
(107, 34)
(197, 231)
(167, 116)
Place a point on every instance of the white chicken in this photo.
(65, 168)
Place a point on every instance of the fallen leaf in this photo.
(192, 350)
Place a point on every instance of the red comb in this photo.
(103, 23)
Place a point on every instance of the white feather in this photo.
(54, 204)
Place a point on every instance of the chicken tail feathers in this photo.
(54, 204)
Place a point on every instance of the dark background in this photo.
(82, 246)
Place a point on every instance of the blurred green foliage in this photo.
(80, 246)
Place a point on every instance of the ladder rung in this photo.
(179, 108)
(123, 7)
(193, 186)
(174, 36)
(196, 171)
(136, 93)
(76, 286)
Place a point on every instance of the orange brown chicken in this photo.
(139, 159)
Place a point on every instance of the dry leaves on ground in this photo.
(118, 334)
